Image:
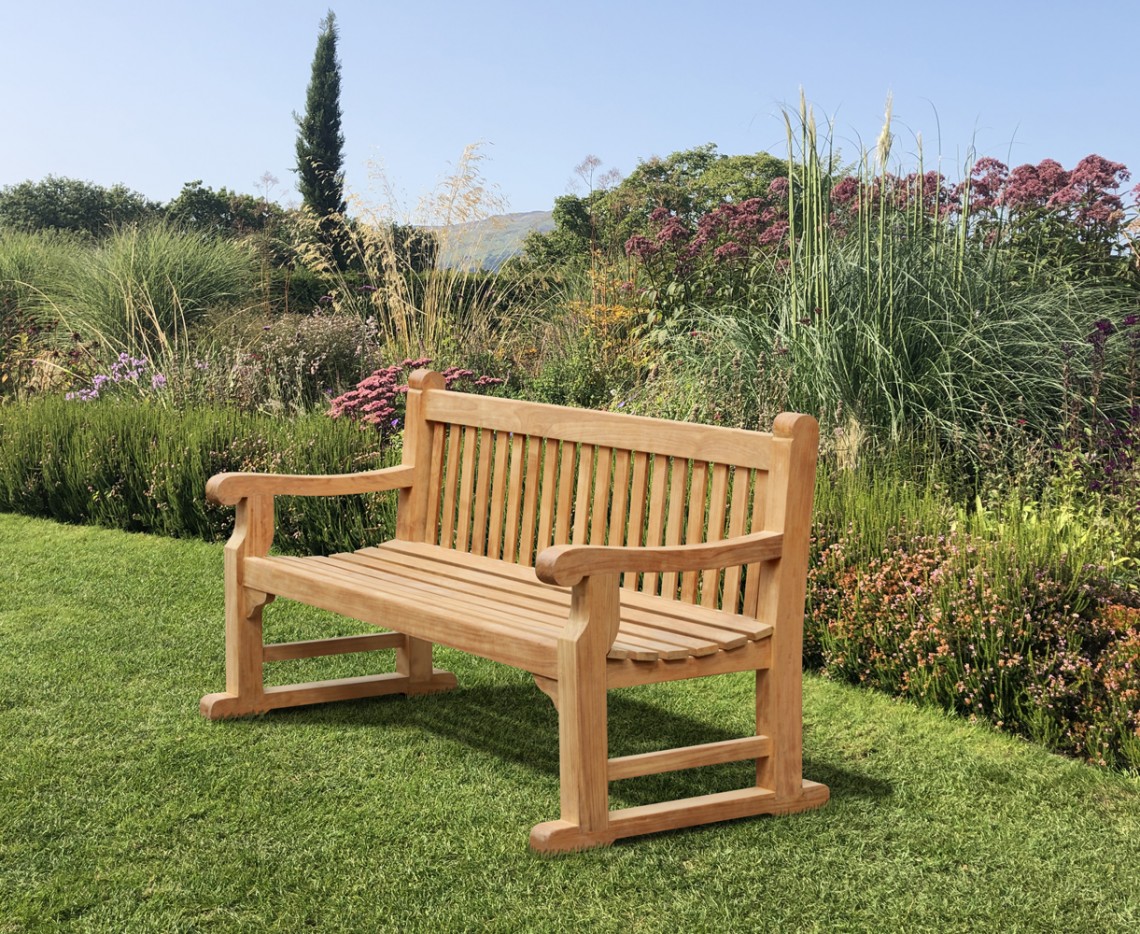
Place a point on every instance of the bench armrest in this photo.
(227, 489)
(566, 565)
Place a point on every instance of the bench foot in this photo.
(223, 704)
(561, 836)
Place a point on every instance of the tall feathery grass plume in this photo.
(403, 271)
(138, 290)
(890, 317)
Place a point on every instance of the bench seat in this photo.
(495, 609)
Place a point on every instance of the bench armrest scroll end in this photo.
(227, 489)
(219, 489)
(551, 570)
(795, 425)
(426, 379)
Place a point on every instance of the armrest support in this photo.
(566, 565)
(226, 489)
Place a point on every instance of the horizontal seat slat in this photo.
(639, 626)
(381, 584)
(456, 604)
(483, 636)
(518, 607)
(489, 607)
(676, 613)
(667, 617)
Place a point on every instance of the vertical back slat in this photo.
(738, 515)
(698, 497)
(581, 507)
(619, 504)
(466, 487)
(718, 509)
(437, 440)
(549, 490)
(675, 522)
(482, 494)
(639, 485)
(450, 487)
(753, 571)
(498, 496)
(530, 502)
(657, 498)
(516, 479)
(565, 493)
(600, 506)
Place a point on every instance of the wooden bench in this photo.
(594, 550)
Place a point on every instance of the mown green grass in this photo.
(122, 810)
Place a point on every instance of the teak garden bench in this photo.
(594, 550)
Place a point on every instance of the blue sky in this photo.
(156, 94)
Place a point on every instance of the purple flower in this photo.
(158, 381)
(730, 251)
(640, 246)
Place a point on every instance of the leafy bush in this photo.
(57, 203)
(1019, 614)
(144, 468)
(297, 362)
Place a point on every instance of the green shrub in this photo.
(143, 468)
(1018, 611)
(297, 362)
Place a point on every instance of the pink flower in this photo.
(730, 251)
(846, 191)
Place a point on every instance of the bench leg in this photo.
(246, 653)
(583, 739)
(413, 662)
(245, 685)
(776, 748)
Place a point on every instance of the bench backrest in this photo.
(509, 478)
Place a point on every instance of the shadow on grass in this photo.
(519, 724)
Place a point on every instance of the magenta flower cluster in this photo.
(727, 234)
(1087, 194)
(377, 401)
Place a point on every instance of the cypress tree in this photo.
(320, 142)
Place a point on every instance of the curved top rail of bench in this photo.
(735, 446)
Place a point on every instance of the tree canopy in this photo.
(61, 203)
(223, 211)
(320, 142)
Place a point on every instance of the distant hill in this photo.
(488, 243)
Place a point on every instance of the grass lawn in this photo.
(121, 809)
